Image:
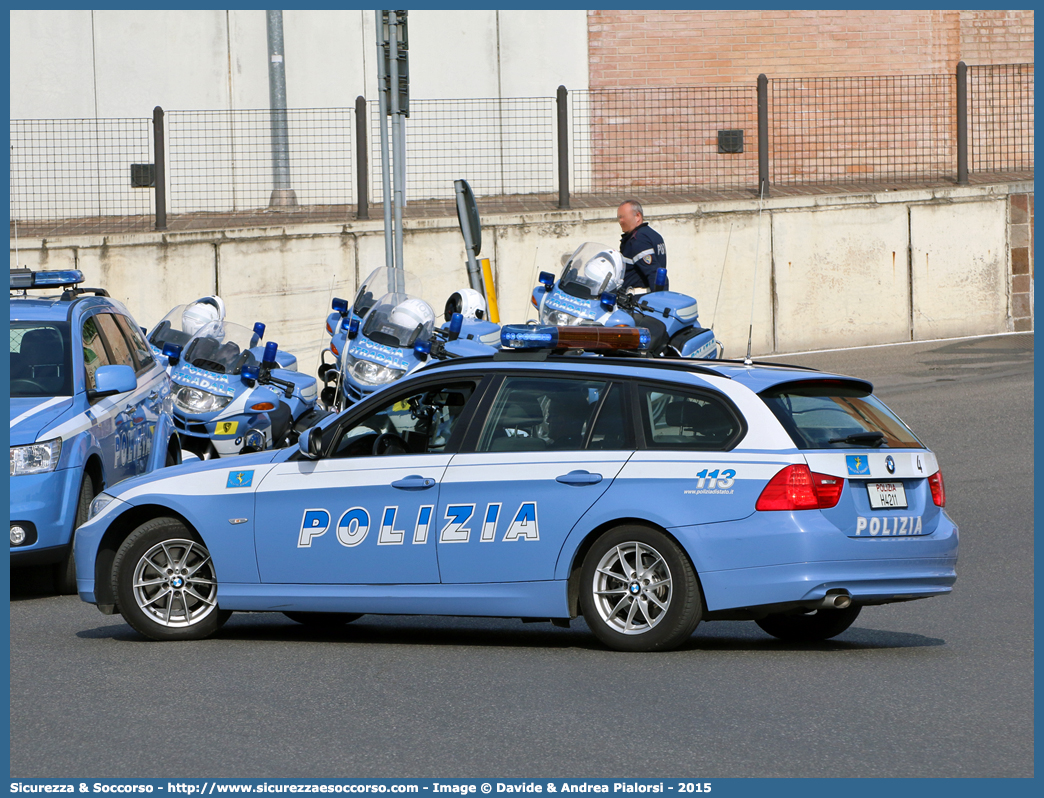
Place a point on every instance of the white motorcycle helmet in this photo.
(414, 315)
(605, 271)
(201, 312)
(468, 302)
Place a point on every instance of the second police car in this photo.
(646, 495)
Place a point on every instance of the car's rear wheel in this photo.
(323, 620)
(165, 582)
(65, 569)
(811, 626)
(638, 591)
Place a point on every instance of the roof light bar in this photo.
(27, 278)
(530, 336)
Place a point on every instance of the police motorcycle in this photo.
(231, 394)
(588, 292)
(380, 338)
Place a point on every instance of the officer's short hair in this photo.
(636, 206)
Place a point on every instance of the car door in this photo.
(365, 512)
(135, 411)
(549, 448)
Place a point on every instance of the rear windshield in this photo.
(837, 416)
(41, 359)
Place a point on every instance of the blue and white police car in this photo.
(90, 406)
(644, 494)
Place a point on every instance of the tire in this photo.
(165, 583)
(326, 621)
(655, 609)
(809, 627)
(65, 569)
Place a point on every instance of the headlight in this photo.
(370, 373)
(101, 501)
(195, 400)
(36, 458)
(557, 318)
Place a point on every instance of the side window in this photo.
(419, 422)
(612, 428)
(677, 420)
(121, 355)
(94, 354)
(540, 414)
(143, 359)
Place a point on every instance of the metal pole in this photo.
(393, 93)
(563, 148)
(362, 161)
(160, 166)
(763, 138)
(382, 104)
(282, 194)
(962, 123)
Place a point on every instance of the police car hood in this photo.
(194, 476)
(30, 415)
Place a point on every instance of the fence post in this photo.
(962, 123)
(362, 161)
(160, 167)
(763, 142)
(563, 148)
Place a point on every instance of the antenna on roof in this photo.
(753, 290)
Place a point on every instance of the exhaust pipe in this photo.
(835, 601)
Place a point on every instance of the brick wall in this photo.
(665, 48)
(1020, 238)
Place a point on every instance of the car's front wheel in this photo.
(638, 591)
(809, 627)
(65, 569)
(165, 582)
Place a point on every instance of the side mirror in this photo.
(172, 352)
(310, 444)
(110, 380)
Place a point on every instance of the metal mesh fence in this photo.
(673, 138)
(500, 146)
(223, 161)
(829, 130)
(87, 174)
(1000, 118)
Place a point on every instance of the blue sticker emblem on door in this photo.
(239, 479)
(857, 465)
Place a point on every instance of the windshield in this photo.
(40, 359)
(383, 281)
(829, 415)
(591, 271)
(399, 320)
(171, 330)
(222, 347)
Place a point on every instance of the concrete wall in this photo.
(817, 272)
(106, 64)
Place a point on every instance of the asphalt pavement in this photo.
(934, 688)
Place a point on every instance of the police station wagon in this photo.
(645, 495)
(90, 406)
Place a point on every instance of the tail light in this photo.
(796, 487)
(935, 482)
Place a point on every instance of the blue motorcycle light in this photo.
(353, 327)
(528, 336)
(340, 305)
(455, 325)
(547, 280)
(249, 374)
(172, 352)
(422, 349)
(270, 352)
(259, 329)
(608, 300)
(661, 278)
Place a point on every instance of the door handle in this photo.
(579, 478)
(413, 483)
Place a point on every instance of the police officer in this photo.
(642, 247)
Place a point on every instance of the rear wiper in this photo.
(864, 438)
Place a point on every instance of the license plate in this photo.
(886, 495)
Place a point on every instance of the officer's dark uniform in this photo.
(643, 253)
